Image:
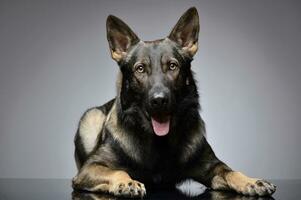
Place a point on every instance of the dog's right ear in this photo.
(120, 37)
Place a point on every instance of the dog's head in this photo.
(156, 73)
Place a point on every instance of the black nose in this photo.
(158, 102)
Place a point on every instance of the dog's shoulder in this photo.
(90, 128)
(105, 108)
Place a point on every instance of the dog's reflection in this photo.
(208, 195)
(224, 195)
(80, 195)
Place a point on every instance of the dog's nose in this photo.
(158, 101)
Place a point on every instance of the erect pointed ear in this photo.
(120, 37)
(186, 31)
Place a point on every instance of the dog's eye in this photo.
(173, 66)
(140, 68)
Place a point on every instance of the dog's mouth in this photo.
(161, 124)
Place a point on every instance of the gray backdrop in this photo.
(55, 63)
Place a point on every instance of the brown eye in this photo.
(173, 66)
(140, 68)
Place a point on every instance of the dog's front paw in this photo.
(261, 188)
(249, 186)
(128, 188)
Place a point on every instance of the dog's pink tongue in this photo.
(161, 127)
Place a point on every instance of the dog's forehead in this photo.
(153, 50)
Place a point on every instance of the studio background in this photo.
(55, 63)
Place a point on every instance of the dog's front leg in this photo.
(94, 177)
(217, 175)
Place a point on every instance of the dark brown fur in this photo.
(116, 149)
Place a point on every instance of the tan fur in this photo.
(119, 82)
(104, 179)
(117, 55)
(111, 177)
(191, 49)
(119, 134)
(238, 181)
(121, 183)
(91, 170)
(241, 183)
(90, 127)
(219, 183)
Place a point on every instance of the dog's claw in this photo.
(130, 188)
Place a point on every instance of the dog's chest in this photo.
(161, 163)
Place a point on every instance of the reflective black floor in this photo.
(59, 189)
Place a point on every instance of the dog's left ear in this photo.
(120, 37)
(186, 31)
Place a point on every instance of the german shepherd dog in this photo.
(151, 134)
